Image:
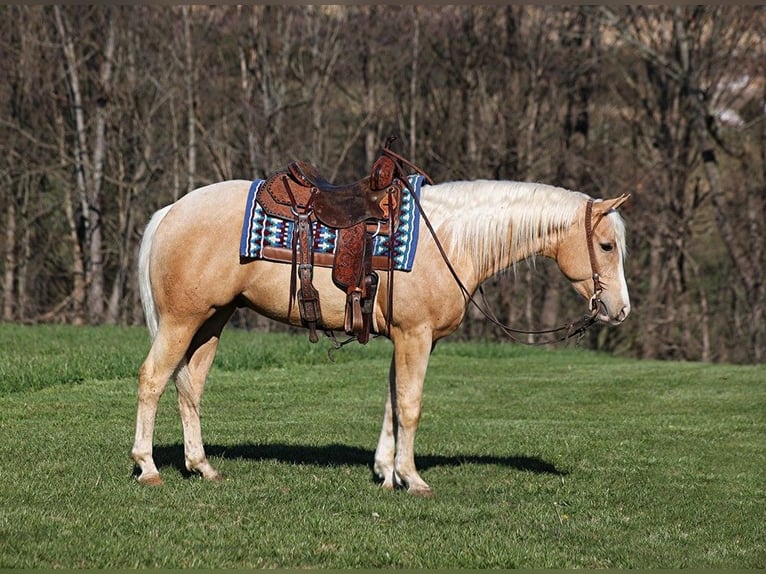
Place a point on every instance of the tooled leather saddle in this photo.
(358, 211)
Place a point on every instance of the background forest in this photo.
(108, 113)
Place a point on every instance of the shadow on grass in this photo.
(342, 455)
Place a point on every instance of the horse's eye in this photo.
(607, 246)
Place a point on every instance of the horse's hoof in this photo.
(150, 480)
(423, 491)
(210, 474)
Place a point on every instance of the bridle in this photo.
(571, 329)
(598, 286)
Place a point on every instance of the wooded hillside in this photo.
(107, 113)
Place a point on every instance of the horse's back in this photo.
(222, 199)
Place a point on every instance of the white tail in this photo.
(144, 282)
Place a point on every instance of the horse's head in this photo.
(591, 256)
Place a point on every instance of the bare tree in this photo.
(89, 154)
(664, 102)
(679, 95)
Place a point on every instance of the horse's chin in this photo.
(602, 316)
(606, 319)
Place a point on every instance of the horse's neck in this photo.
(494, 224)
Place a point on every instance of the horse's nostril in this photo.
(623, 314)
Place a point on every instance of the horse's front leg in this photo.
(385, 453)
(395, 454)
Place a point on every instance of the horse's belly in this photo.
(268, 293)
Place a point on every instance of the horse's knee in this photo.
(408, 412)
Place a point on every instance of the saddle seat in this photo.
(340, 206)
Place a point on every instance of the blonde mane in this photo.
(500, 221)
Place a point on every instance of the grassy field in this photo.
(538, 458)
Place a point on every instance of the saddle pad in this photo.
(262, 233)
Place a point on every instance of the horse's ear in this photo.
(617, 202)
(608, 205)
(620, 200)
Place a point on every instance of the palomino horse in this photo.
(192, 279)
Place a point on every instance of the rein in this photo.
(571, 329)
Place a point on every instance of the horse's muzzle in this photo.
(605, 316)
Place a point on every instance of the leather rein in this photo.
(569, 329)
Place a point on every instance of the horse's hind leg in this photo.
(165, 355)
(190, 383)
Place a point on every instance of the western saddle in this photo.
(358, 211)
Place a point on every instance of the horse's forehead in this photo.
(612, 225)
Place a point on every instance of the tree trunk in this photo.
(748, 261)
(369, 74)
(246, 83)
(89, 169)
(189, 84)
(96, 291)
(9, 257)
(414, 84)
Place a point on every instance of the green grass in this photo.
(538, 458)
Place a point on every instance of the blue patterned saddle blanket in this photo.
(267, 237)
